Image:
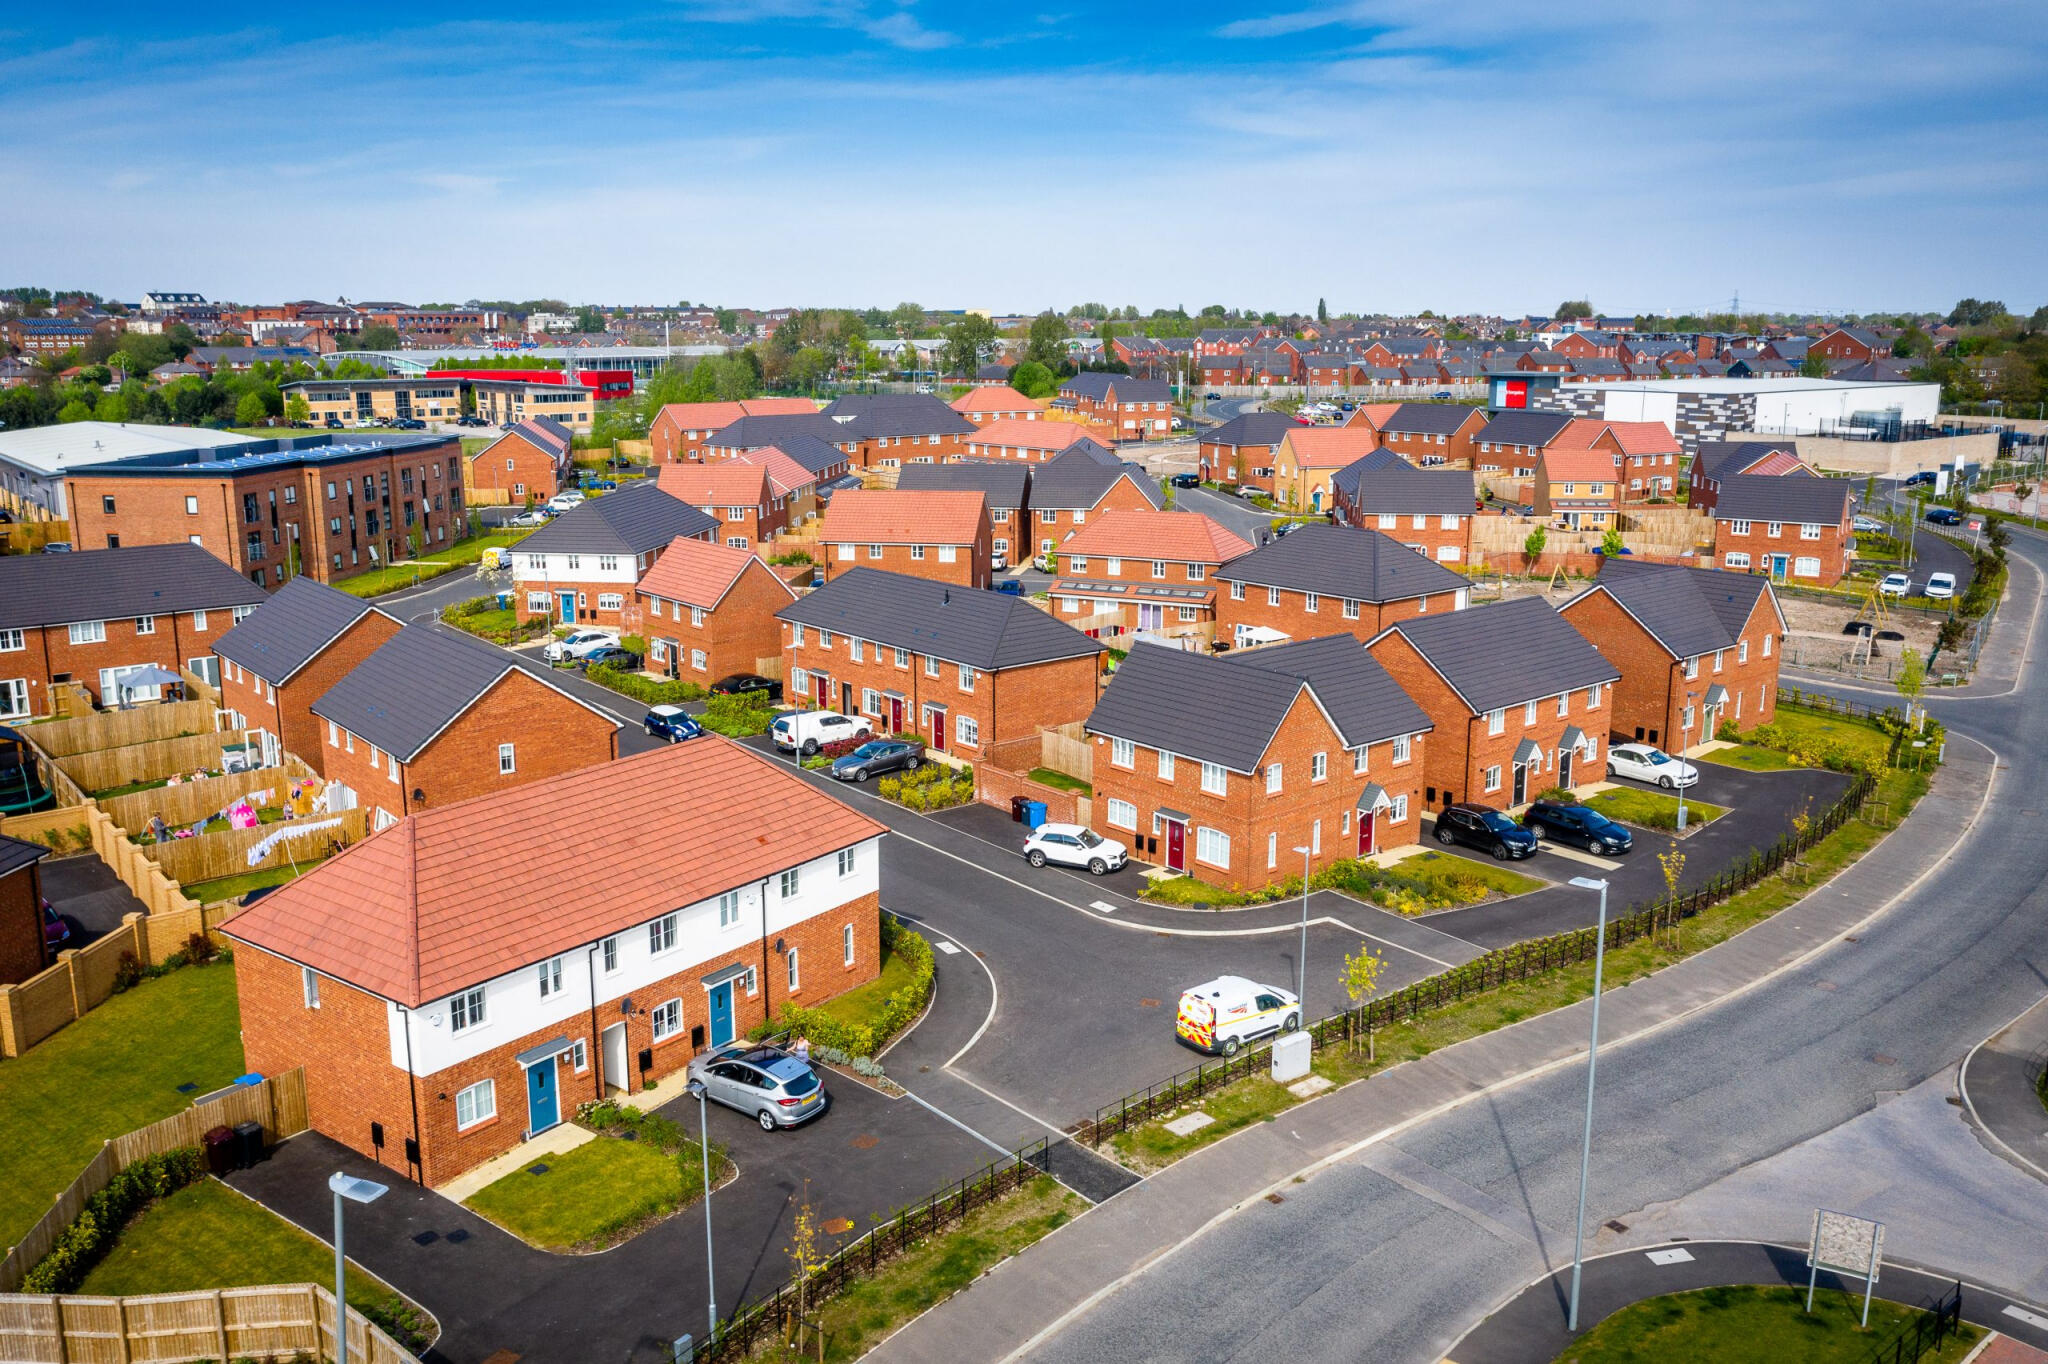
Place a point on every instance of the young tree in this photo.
(1361, 977)
(1672, 864)
(1322, 311)
(1533, 546)
(296, 409)
(1814, 365)
(249, 410)
(1911, 681)
(1610, 543)
(1047, 343)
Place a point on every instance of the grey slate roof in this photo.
(814, 454)
(989, 630)
(1523, 428)
(1340, 561)
(1764, 497)
(1077, 478)
(1373, 484)
(1251, 428)
(1690, 611)
(1507, 653)
(287, 632)
(751, 433)
(16, 854)
(1000, 484)
(630, 521)
(1096, 384)
(109, 584)
(1434, 419)
(1715, 456)
(413, 685)
(897, 414)
(1361, 696)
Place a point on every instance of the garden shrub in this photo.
(738, 717)
(830, 1037)
(106, 1214)
(647, 689)
(934, 786)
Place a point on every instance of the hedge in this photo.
(643, 688)
(738, 716)
(864, 1039)
(932, 787)
(106, 1214)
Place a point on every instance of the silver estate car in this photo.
(768, 1084)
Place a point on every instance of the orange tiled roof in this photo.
(995, 398)
(785, 475)
(1635, 438)
(725, 483)
(695, 572)
(452, 897)
(1330, 447)
(1183, 537)
(1580, 466)
(714, 416)
(899, 516)
(1373, 414)
(1032, 435)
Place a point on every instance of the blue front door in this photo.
(721, 1014)
(543, 1105)
(568, 607)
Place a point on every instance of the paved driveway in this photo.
(88, 896)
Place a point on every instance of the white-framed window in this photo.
(1237, 591)
(1272, 779)
(966, 677)
(198, 618)
(1593, 695)
(846, 551)
(1809, 530)
(1773, 529)
(1122, 752)
(466, 1010)
(1496, 721)
(309, 986)
(1528, 714)
(1717, 659)
(579, 1055)
(1165, 765)
(550, 977)
(1564, 704)
(1741, 652)
(729, 909)
(931, 665)
(1401, 748)
(506, 762)
(902, 658)
(1318, 766)
(1399, 812)
(1272, 851)
(1212, 846)
(537, 603)
(1806, 567)
(668, 1019)
(1350, 609)
(795, 977)
(1738, 527)
(12, 641)
(1388, 520)
(846, 861)
(1767, 646)
(1492, 778)
(609, 951)
(846, 943)
(661, 935)
(1272, 596)
(611, 601)
(858, 648)
(1358, 760)
(1121, 814)
(791, 880)
(145, 625)
(874, 551)
(1215, 780)
(88, 631)
(967, 730)
(1310, 600)
(476, 1104)
(949, 554)
(1736, 561)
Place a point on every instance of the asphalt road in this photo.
(1418, 1237)
(1234, 514)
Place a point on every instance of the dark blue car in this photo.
(671, 723)
(1579, 826)
(1484, 828)
(1009, 587)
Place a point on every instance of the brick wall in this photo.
(735, 636)
(22, 952)
(1293, 618)
(531, 473)
(48, 654)
(968, 569)
(1832, 550)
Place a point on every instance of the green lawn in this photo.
(1652, 809)
(114, 1070)
(234, 887)
(208, 1236)
(599, 1194)
(432, 563)
(1809, 730)
(863, 1002)
(130, 789)
(1744, 1325)
(1060, 780)
(1751, 758)
(855, 1320)
(1424, 881)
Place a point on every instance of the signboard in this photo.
(1845, 1245)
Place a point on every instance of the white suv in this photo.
(1074, 845)
(578, 644)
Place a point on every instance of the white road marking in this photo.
(994, 1146)
(2030, 1318)
(1104, 906)
(1670, 1257)
(946, 947)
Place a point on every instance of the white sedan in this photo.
(1645, 762)
(1074, 845)
(579, 644)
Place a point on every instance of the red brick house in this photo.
(1243, 449)
(997, 402)
(450, 993)
(1652, 461)
(1132, 408)
(1033, 442)
(1857, 344)
(892, 429)
(433, 717)
(1155, 569)
(530, 462)
(287, 653)
(1323, 579)
(1696, 648)
(1518, 698)
(708, 611)
(963, 669)
(1428, 434)
(580, 568)
(941, 535)
(1085, 482)
(1788, 529)
(1222, 767)
(1716, 460)
(92, 616)
(1506, 449)
(23, 949)
(736, 493)
(1428, 510)
(1581, 488)
(1005, 498)
(680, 430)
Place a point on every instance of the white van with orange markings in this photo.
(1224, 1014)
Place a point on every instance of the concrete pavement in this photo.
(1999, 1085)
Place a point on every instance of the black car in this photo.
(1944, 516)
(1186, 480)
(877, 756)
(1578, 826)
(747, 684)
(1484, 828)
(612, 657)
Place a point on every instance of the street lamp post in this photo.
(696, 1088)
(355, 1191)
(1301, 957)
(1592, 1055)
(1690, 698)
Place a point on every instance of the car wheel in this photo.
(1611, 773)
(912, 764)
(1536, 832)
(1446, 837)
(767, 1120)
(810, 747)
(1293, 1022)
(1230, 1045)
(1035, 857)
(1097, 867)
(1501, 853)
(1664, 782)
(861, 775)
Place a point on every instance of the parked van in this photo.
(1224, 1014)
(811, 730)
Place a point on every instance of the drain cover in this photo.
(187, 1088)
(1615, 1226)
(1884, 1060)
(1148, 1003)
(539, 1169)
(426, 1238)
(865, 1142)
(458, 1236)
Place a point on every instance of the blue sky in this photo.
(1384, 154)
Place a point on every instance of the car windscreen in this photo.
(1090, 839)
(1656, 756)
(873, 750)
(1499, 822)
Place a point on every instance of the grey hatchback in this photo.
(768, 1084)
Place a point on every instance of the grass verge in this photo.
(1414, 885)
(605, 1191)
(1060, 781)
(1150, 1146)
(1750, 758)
(934, 1270)
(235, 887)
(1757, 1325)
(1798, 731)
(1652, 809)
(114, 1070)
(864, 1002)
(208, 1236)
(434, 561)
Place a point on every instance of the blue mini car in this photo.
(1009, 587)
(672, 723)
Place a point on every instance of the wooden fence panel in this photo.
(105, 768)
(189, 802)
(181, 1328)
(208, 856)
(125, 728)
(64, 1210)
(1073, 755)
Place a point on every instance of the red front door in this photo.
(938, 717)
(1365, 822)
(823, 686)
(1176, 845)
(895, 715)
